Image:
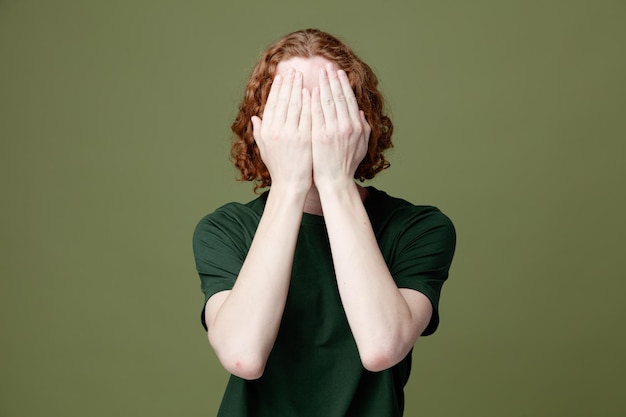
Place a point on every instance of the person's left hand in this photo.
(340, 132)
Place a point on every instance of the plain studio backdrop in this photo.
(114, 132)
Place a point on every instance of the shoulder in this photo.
(387, 211)
(404, 229)
(232, 217)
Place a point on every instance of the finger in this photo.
(367, 129)
(339, 98)
(270, 103)
(327, 101)
(350, 99)
(304, 126)
(256, 130)
(256, 125)
(295, 100)
(284, 96)
(317, 114)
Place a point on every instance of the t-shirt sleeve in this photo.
(221, 241)
(425, 248)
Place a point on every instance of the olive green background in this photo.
(114, 126)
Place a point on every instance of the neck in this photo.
(313, 204)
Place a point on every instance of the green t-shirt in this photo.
(314, 368)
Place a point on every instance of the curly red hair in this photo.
(306, 44)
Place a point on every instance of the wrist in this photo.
(294, 192)
(336, 188)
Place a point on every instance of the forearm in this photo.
(378, 314)
(243, 328)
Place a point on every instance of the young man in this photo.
(317, 291)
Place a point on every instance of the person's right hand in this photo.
(283, 135)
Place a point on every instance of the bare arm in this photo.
(243, 323)
(385, 321)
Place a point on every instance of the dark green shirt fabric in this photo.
(314, 368)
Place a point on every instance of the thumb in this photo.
(256, 126)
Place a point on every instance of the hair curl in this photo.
(309, 43)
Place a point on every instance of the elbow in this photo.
(384, 356)
(243, 364)
(378, 362)
(245, 368)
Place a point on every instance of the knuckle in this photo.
(346, 128)
(274, 133)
